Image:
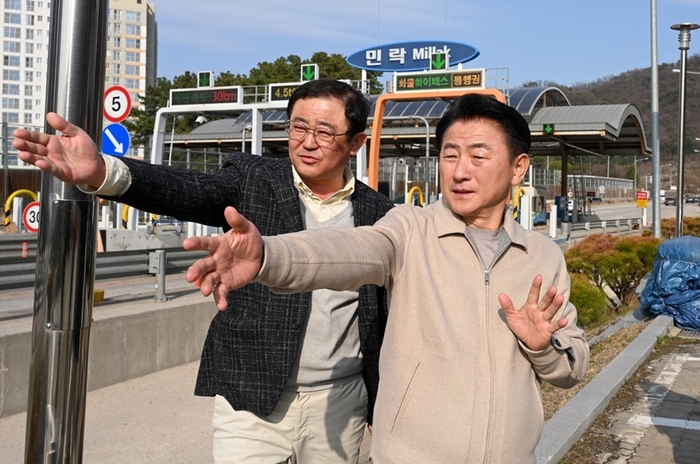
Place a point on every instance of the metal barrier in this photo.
(18, 273)
(619, 225)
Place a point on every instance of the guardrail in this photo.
(18, 273)
(618, 224)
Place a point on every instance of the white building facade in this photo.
(130, 61)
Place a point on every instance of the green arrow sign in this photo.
(309, 72)
(548, 129)
(204, 79)
(438, 61)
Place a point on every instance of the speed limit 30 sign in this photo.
(30, 216)
(117, 104)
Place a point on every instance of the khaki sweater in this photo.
(455, 383)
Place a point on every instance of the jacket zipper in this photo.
(492, 368)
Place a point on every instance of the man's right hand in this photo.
(71, 157)
(234, 260)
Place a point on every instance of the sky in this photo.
(562, 41)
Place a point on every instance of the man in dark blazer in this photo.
(294, 376)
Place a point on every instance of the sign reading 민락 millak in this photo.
(410, 56)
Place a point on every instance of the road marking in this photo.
(643, 421)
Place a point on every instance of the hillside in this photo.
(634, 87)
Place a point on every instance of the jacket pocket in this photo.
(439, 419)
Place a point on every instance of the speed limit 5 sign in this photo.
(117, 104)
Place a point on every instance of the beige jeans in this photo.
(324, 426)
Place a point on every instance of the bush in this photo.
(623, 268)
(691, 226)
(583, 257)
(619, 263)
(590, 301)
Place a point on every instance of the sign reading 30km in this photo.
(30, 217)
(117, 104)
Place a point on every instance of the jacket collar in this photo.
(447, 222)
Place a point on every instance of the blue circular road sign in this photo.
(115, 140)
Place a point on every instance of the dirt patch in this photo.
(597, 440)
(602, 353)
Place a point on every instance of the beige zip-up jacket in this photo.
(455, 384)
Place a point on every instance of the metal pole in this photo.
(655, 143)
(683, 45)
(426, 194)
(65, 267)
(172, 140)
(5, 164)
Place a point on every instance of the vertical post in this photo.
(5, 164)
(172, 141)
(655, 143)
(157, 264)
(683, 45)
(426, 194)
(66, 252)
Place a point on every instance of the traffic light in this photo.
(439, 61)
(309, 72)
(205, 79)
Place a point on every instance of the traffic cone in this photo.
(198, 282)
(25, 250)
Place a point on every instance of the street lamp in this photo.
(635, 169)
(683, 45)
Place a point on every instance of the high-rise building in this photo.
(132, 47)
(24, 55)
(130, 61)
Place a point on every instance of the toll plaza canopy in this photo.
(557, 128)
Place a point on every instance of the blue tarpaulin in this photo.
(673, 288)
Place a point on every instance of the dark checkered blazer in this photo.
(250, 347)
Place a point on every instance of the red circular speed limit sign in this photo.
(30, 216)
(117, 104)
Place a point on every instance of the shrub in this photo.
(691, 226)
(619, 263)
(623, 268)
(590, 301)
(582, 258)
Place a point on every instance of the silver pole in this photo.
(65, 267)
(426, 195)
(655, 144)
(683, 45)
(5, 163)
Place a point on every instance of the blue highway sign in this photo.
(115, 140)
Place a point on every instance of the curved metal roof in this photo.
(590, 129)
(527, 99)
(593, 129)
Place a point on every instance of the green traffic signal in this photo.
(309, 72)
(204, 79)
(438, 61)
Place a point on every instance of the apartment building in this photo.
(130, 61)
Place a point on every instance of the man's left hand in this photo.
(534, 323)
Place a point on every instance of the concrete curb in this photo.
(635, 318)
(127, 341)
(570, 422)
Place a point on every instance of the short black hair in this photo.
(356, 104)
(477, 106)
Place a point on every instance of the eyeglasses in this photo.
(298, 131)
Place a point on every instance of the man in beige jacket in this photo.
(479, 308)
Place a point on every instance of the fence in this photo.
(17, 272)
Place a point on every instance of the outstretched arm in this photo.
(71, 157)
(234, 258)
(534, 323)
